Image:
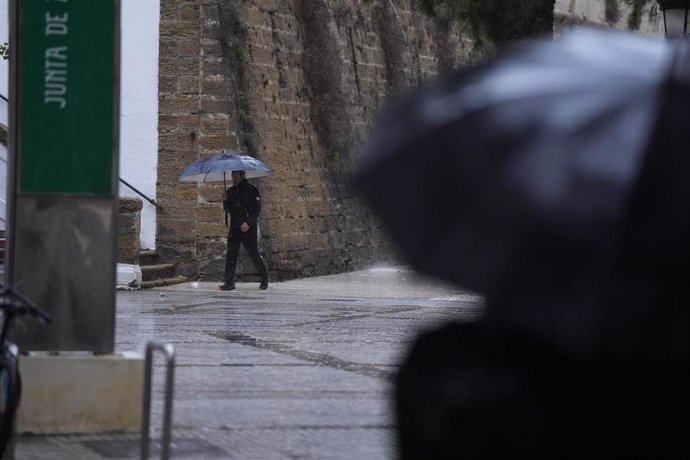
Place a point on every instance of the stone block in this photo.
(214, 86)
(187, 48)
(177, 209)
(188, 267)
(187, 85)
(182, 230)
(81, 394)
(211, 249)
(217, 105)
(213, 66)
(166, 85)
(167, 48)
(211, 229)
(180, 29)
(129, 230)
(217, 141)
(214, 124)
(168, 13)
(167, 123)
(210, 13)
(212, 269)
(211, 47)
(189, 13)
(185, 250)
(128, 205)
(212, 213)
(257, 17)
(167, 176)
(183, 105)
(176, 65)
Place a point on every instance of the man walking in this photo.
(243, 203)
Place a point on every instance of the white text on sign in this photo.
(55, 81)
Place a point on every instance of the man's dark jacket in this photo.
(243, 205)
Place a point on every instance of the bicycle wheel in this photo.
(9, 395)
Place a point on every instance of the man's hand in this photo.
(244, 227)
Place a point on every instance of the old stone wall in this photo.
(297, 84)
(129, 230)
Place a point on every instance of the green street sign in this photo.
(67, 62)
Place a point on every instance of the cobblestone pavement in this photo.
(300, 371)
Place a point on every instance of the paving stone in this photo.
(301, 371)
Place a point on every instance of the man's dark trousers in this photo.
(250, 243)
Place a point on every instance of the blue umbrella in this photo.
(217, 167)
(220, 165)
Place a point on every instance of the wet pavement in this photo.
(300, 371)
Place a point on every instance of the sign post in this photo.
(64, 93)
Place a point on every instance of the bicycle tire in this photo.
(10, 393)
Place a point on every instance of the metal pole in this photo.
(13, 350)
(169, 352)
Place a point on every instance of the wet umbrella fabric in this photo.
(219, 166)
(530, 180)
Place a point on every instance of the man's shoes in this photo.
(264, 285)
(226, 287)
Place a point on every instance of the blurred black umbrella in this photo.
(555, 182)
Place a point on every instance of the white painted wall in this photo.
(138, 106)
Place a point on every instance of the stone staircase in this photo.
(156, 274)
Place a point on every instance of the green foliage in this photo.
(498, 21)
(637, 8)
(612, 11)
(494, 21)
(637, 11)
(475, 17)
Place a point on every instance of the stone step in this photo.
(163, 282)
(148, 257)
(155, 274)
(158, 271)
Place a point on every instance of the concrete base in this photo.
(81, 393)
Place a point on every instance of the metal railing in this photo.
(169, 352)
(142, 194)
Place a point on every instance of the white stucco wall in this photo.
(139, 107)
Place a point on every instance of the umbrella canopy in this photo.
(554, 181)
(219, 166)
